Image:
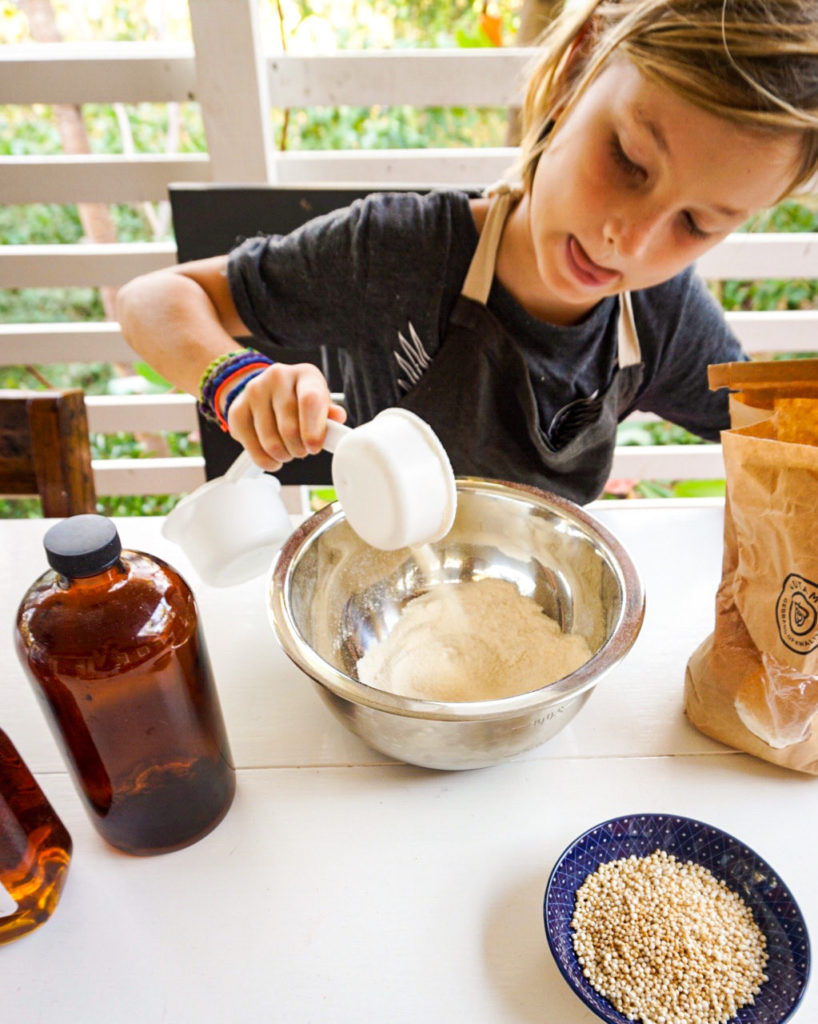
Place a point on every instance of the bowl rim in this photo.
(685, 819)
(348, 688)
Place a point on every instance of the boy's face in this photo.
(635, 184)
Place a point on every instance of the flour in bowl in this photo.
(475, 640)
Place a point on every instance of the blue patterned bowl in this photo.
(773, 905)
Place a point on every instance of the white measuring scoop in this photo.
(392, 477)
(231, 527)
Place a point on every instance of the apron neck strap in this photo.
(481, 271)
(628, 349)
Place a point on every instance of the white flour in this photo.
(471, 641)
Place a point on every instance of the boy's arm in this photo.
(182, 318)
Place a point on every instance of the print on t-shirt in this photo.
(412, 358)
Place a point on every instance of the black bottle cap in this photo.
(82, 545)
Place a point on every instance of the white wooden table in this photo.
(344, 888)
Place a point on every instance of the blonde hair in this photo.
(751, 62)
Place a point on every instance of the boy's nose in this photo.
(632, 233)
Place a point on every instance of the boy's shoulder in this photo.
(683, 297)
(405, 232)
(406, 210)
(681, 319)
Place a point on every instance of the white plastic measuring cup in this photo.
(231, 527)
(392, 477)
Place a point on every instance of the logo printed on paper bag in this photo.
(797, 614)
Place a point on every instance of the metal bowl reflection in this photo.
(330, 596)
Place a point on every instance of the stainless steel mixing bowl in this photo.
(330, 596)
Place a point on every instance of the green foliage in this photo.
(138, 505)
(28, 131)
(699, 489)
(93, 378)
(20, 508)
(403, 23)
(39, 224)
(659, 433)
(149, 125)
(152, 377)
(790, 215)
(47, 305)
(321, 496)
(398, 127)
(651, 433)
(127, 446)
(666, 489)
(775, 294)
(652, 489)
(768, 295)
(142, 505)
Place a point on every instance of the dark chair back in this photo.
(210, 220)
(45, 450)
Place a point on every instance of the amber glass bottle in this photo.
(35, 848)
(113, 647)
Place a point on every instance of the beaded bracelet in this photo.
(212, 367)
(206, 382)
(237, 390)
(227, 386)
(222, 367)
(225, 367)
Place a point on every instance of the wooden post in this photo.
(232, 88)
(61, 452)
(45, 449)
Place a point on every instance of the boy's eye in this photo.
(692, 227)
(624, 162)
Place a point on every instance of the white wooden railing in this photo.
(226, 62)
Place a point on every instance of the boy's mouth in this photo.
(588, 273)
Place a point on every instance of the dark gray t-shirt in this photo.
(376, 283)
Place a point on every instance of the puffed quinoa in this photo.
(665, 942)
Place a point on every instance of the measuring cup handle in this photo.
(243, 467)
(336, 432)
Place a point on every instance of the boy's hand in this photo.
(281, 414)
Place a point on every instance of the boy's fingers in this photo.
(312, 395)
(337, 413)
(244, 430)
(270, 400)
(281, 414)
(266, 429)
(285, 413)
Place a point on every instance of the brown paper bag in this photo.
(753, 683)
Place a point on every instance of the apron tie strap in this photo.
(628, 350)
(481, 271)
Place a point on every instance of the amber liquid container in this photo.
(35, 848)
(112, 644)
